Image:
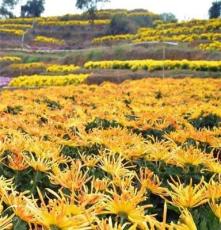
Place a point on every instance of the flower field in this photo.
(139, 155)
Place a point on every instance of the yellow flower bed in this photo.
(29, 66)
(73, 22)
(113, 38)
(216, 45)
(184, 32)
(47, 80)
(50, 68)
(62, 68)
(16, 26)
(26, 20)
(142, 37)
(155, 65)
(44, 39)
(10, 59)
(16, 32)
(138, 155)
(206, 25)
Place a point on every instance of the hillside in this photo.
(73, 40)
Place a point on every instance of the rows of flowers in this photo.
(152, 65)
(48, 80)
(51, 40)
(28, 66)
(152, 35)
(140, 155)
(38, 38)
(26, 21)
(48, 21)
(56, 68)
(212, 46)
(44, 67)
(16, 26)
(10, 59)
(73, 22)
(208, 30)
(209, 25)
(145, 36)
(109, 38)
(15, 32)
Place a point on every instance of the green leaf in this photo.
(19, 224)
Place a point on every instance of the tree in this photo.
(215, 10)
(168, 17)
(121, 24)
(33, 8)
(90, 6)
(7, 7)
(127, 24)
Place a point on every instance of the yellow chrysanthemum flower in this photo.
(187, 196)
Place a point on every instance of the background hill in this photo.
(113, 35)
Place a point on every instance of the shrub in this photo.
(121, 24)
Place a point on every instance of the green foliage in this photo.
(19, 224)
(95, 55)
(7, 7)
(205, 219)
(101, 124)
(52, 105)
(121, 24)
(215, 10)
(119, 52)
(168, 17)
(90, 6)
(209, 121)
(33, 8)
(129, 23)
(30, 59)
(13, 110)
(54, 227)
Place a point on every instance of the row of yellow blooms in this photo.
(48, 80)
(146, 37)
(216, 45)
(35, 136)
(151, 65)
(50, 68)
(51, 40)
(10, 59)
(48, 21)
